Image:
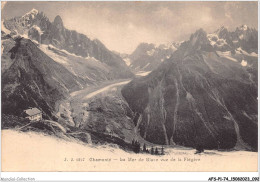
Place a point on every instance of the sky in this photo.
(121, 26)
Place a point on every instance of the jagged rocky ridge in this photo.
(38, 27)
(200, 96)
(243, 37)
(147, 57)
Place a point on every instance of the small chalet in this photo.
(33, 114)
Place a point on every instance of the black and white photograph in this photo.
(134, 86)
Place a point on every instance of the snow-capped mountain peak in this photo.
(31, 13)
(225, 40)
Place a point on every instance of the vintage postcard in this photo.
(129, 86)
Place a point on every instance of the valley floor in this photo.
(32, 151)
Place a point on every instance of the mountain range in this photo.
(36, 26)
(204, 95)
(42, 62)
(201, 93)
(243, 37)
(147, 57)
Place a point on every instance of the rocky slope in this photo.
(199, 97)
(36, 26)
(89, 69)
(32, 79)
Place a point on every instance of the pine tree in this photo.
(152, 150)
(144, 148)
(199, 149)
(162, 151)
(156, 151)
(136, 146)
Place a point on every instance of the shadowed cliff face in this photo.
(34, 80)
(198, 97)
